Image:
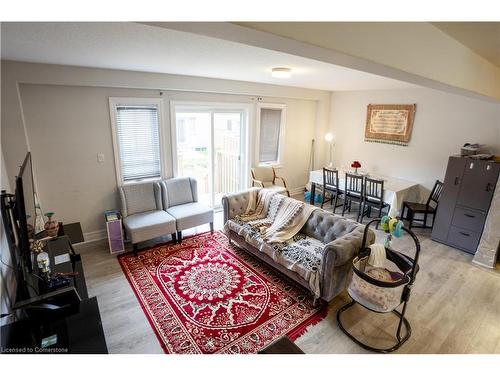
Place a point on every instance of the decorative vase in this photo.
(356, 164)
(43, 262)
(51, 225)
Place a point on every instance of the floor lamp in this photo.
(329, 140)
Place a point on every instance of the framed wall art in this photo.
(389, 123)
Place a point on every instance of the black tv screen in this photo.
(28, 190)
(25, 209)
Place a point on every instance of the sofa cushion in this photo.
(325, 227)
(177, 191)
(190, 215)
(301, 254)
(304, 251)
(138, 198)
(147, 225)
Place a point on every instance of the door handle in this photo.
(488, 187)
(469, 215)
(464, 234)
(457, 180)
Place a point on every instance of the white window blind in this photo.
(139, 141)
(270, 129)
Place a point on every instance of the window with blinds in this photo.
(270, 133)
(138, 141)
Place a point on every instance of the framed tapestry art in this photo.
(389, 123)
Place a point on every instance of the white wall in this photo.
(443, 123)
(67, 126)
(61, 114)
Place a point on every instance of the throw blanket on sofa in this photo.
(289, 220)
(277, 218)
(258, 205)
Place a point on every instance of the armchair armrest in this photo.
(235, 204)
(257, 182)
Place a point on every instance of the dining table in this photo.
(396, 190)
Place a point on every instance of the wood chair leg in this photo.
(212, 227)
(361, 212)
(174, 238)
(410, 218)
(323, 198)
(179, 236)
(344, 206)
(335, 204)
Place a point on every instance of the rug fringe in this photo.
(312, 321)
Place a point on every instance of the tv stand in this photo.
(62, 320)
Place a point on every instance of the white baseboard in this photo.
(297, 191)
(95, 235)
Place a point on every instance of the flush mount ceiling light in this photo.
(281, 72)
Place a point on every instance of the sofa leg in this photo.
(174, 237)
(316, 301)
(136, 249)
(212, 227)
(179, 236)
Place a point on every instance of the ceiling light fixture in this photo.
(281, 72)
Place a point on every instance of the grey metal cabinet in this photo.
(468, 189)
(448, 200)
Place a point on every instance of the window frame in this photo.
(247, 110)
(115, 102)
(276, 163)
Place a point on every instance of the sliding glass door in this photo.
(210, 146)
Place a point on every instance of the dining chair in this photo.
(353, 192)
(331, 185)
(428, 208)
(373, 197)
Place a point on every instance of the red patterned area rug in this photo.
(206, 296)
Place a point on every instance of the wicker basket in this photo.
(380, 294)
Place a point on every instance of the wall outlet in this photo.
(100, 158)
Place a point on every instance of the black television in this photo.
(19, 219)
(25, 209)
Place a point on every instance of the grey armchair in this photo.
(180, 200)
(143, 214)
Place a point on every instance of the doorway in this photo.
(210, 145)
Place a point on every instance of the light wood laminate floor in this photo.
(454, 307)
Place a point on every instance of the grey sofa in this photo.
(180, 200)
(341, 238)
(143, 214)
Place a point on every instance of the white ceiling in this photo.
(139, 47)
(481, 37)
